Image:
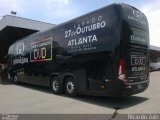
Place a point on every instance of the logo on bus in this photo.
(137, 14)
(138, 60)
(41, 50)
(20, 48)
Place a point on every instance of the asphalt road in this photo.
(26, 99)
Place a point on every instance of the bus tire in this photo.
(70, 87)
(56, 85)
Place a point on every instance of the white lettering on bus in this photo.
(135, 69)
(137, 39)
(39, 53)
(83, 40)
(20, 60)
(88, 28)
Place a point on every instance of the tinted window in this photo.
(136, 36)
(134, 17)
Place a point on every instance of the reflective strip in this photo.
(137, 82)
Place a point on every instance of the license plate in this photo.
(139, 86)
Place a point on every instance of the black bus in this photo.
(105, 53)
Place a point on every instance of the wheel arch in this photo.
(67, 75)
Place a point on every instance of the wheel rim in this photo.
(70, 87)
(55, 85)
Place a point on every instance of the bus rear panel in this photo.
(133, 68)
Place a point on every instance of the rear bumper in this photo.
(121, 89)
(134, 88)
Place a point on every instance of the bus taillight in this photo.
(122, 70)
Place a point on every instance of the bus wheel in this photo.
(70, 87)
(56, 86)
(15, 79)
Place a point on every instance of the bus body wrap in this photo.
(105, 52)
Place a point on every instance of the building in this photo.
(13, 28)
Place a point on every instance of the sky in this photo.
(59, 11)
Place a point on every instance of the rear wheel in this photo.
(56, 85)
(71, 87)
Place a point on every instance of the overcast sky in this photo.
(59, 11)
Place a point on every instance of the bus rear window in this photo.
(134, 35)
(134, 17)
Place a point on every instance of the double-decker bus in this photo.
(105, 52)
